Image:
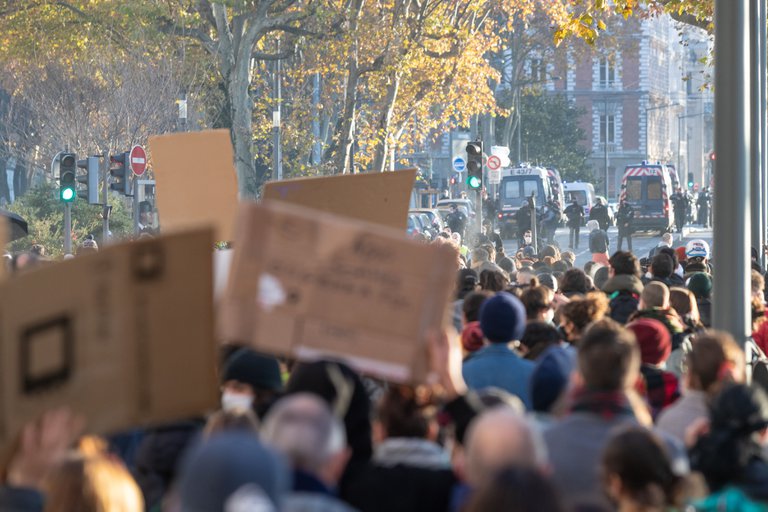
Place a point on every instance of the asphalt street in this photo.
(642, 243)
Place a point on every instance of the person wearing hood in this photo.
(731, 455)
(624, 286)
(700, 284)
(598, 243)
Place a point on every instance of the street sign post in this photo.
(138, 160)
(494, 176)
(459, 164)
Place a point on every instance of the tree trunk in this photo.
(241, 112)
(380, 158)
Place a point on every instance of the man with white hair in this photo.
(667, 239)
(499, 438)
(302, 428)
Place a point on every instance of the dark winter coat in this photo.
(624, 295)
(575, 215)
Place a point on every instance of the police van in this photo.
(648, 188)
(517, 185)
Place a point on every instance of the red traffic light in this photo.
(712, 156)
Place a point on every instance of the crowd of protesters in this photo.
(562, 389)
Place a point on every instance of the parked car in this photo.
(445, 204)
(416, 226)
(435, 218)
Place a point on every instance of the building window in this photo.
(537, 70)
(607, 129)
(607, 73)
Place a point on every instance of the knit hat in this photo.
(472, 337)
(229, 468)
(701, 285)
(260, 371)
(502, 318)
(550, 377)
(653, 338)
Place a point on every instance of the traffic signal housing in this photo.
(121, 173)
(475, 165)
(89, 180)
(690, 180)
(67, 177)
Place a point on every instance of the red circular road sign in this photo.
(137, 160)
(494, 162)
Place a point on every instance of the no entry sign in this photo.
(137, 160)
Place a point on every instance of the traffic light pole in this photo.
(67, 228)
(757, 127)
(105, 198)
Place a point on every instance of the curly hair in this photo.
(582, 311)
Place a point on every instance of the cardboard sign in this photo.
(311, 284)
(123, 336)
(381, 198)
(196, 183)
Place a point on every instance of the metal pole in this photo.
(67, 228)
(105, 198)
(277, 157)
(756, 192)
(605, 144)
(679, 146)
(763, 128)
(647, 131)
(519, 129)
(317, 148)
(136, 206)
(731, 296)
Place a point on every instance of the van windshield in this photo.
(516, 188)
(634, 189)
(579, 195)
(653, 188)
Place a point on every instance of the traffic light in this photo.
(90, 180)
(67, 174)
(475, 165)
(120, 172)
(690, 180)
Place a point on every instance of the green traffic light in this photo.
(473, 182)
(67, 194)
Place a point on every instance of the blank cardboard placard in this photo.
(123, 336)
(196, 183)
(381, 198)
(308, 284)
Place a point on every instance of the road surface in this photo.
(642, 243)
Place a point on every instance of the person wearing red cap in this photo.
(662, 387)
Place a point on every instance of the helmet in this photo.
(697, 249)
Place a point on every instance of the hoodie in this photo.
(623, 292)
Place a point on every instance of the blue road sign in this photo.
(459, 164)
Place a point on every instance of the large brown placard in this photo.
(310, 284)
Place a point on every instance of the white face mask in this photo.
(231, 401)
(550, 316)
(527, 239)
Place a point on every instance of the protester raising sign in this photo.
(307, 283)
(123, 336)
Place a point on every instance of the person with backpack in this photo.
(598, 243)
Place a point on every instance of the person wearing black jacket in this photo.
(599, 212)
(575, 215)
(624, 221)
(624, 286)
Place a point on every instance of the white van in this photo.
(584, 193)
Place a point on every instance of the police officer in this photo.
(703, 202)
(599, 212)
(575, 215)
(624, 219)
(680, 202)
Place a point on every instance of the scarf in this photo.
(607, 404)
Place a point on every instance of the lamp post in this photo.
(679, 140)
(647, 131)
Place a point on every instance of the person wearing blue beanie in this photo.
(502, 321)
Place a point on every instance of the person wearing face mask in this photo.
(250, 380)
